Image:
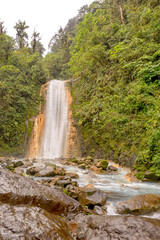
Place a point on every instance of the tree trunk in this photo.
(121, 11)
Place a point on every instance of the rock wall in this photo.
(34, 143)
(73, 146)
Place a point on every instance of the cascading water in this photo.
(54, 138)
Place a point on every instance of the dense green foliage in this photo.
(115, 51)
(21, 76)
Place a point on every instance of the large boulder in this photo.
(140, 204)
(17, 190)
(116, 228)
(22, 222)
(91, 196)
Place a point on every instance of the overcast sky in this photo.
(46, 16)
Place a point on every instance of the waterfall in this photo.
(54, 138)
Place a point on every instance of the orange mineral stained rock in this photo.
(73, 145)
(34, 143)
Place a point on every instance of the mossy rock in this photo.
(103, 164)
(73, 160)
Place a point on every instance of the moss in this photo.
(104, 164)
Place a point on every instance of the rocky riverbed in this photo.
(52, 205)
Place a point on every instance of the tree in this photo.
(2, 29)
(7, 45)
(36, 45)
(21, 34)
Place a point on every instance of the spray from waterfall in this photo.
(54, 138)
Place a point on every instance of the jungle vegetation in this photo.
(113, 48)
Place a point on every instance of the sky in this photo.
(45, 16)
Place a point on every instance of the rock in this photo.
(22, 222)
(131, 176)
(140, 204)
(112, 168)
(82, 166)
(63, 183)
(34, 170)
(54, 180)
(28, 163)
(60, 171)
(90, 196)
(17, 190)
(116, 227)
(103, 164)
(72, 191)
(19, 171)
(46, 172)
(98, 210)
(96, 170)
(18, 164)
(151, 176)
(72, 175)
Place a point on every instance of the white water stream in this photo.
(54, 139)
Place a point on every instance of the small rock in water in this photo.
(112, 168)
(72, 175)
(46, 172)
(34, 170)
(90, 196)
(82, 166)
(18, 164)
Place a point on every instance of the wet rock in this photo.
(98, 210)
(103, 164)
(131, 176)
(34, 170)
(140, 204)
(2, 159)
(60, 171)
(21, 222)
(116, 228)
(96, 169)
(28, 164)
(90, 196)
(151, 176)
(112, 168)
(46, 172)
(72, 175)
(19, 171)
(54, 180)
(82, 166)
(17, 190)
(18, 164)
(72, 191)
(63, 183)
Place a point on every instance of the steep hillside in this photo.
(114, 50)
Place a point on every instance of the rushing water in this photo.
(54, 139)
(117, 185)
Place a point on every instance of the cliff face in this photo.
(35, 140)
(73, 143)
